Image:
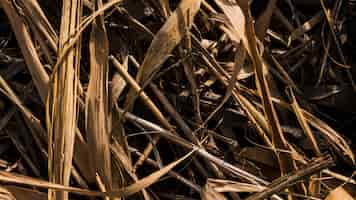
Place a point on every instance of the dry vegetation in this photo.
(180, 99)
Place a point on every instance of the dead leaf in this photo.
(237, 21)
(167, 38)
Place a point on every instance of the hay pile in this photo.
(189, 99)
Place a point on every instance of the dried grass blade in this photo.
(35, 124)
(121, 157)
(165, 6)
(129, 190)
(167, 38)
(286, 181)
(337, 142)
(37, 71)
(237, 20)
(308, 25)
(237, 32)
(148, 180)
(137, 89)
(149, 103)
(257, 118)
(98, 115)
(25, 194)
(29, 181)
(6, 194)
(202, 152)
(331, 136)
(62, 102)
(278, 140)
(303, 122)
(118, 130)
(35, 14)
(33, 63)
(314, 184)
(338, 46)
(118, 85)
(285, 75)
(171, 173)
(339, 177)
(209, 193)
(77, 36)
(233, 186)
(264, 19)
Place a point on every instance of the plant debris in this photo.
(181, 99)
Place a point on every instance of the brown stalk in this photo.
(292, 178)
(189, 146)
(264, 19)
(167, 38)
(264, 91)
(36, 69)
(39, 75)
(98, 115)
(120, 156)
(149, 103)
(303, 122)
(39, 133)
(338, 47)
(253, 115)
(180, 122)
(336, 141)
(35, 15)
(173, 174)
(122, 192)
(62, 102)
(171, 110)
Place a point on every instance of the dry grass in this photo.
(189, 99)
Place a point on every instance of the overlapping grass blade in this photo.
(98, 114)
(62, 102)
